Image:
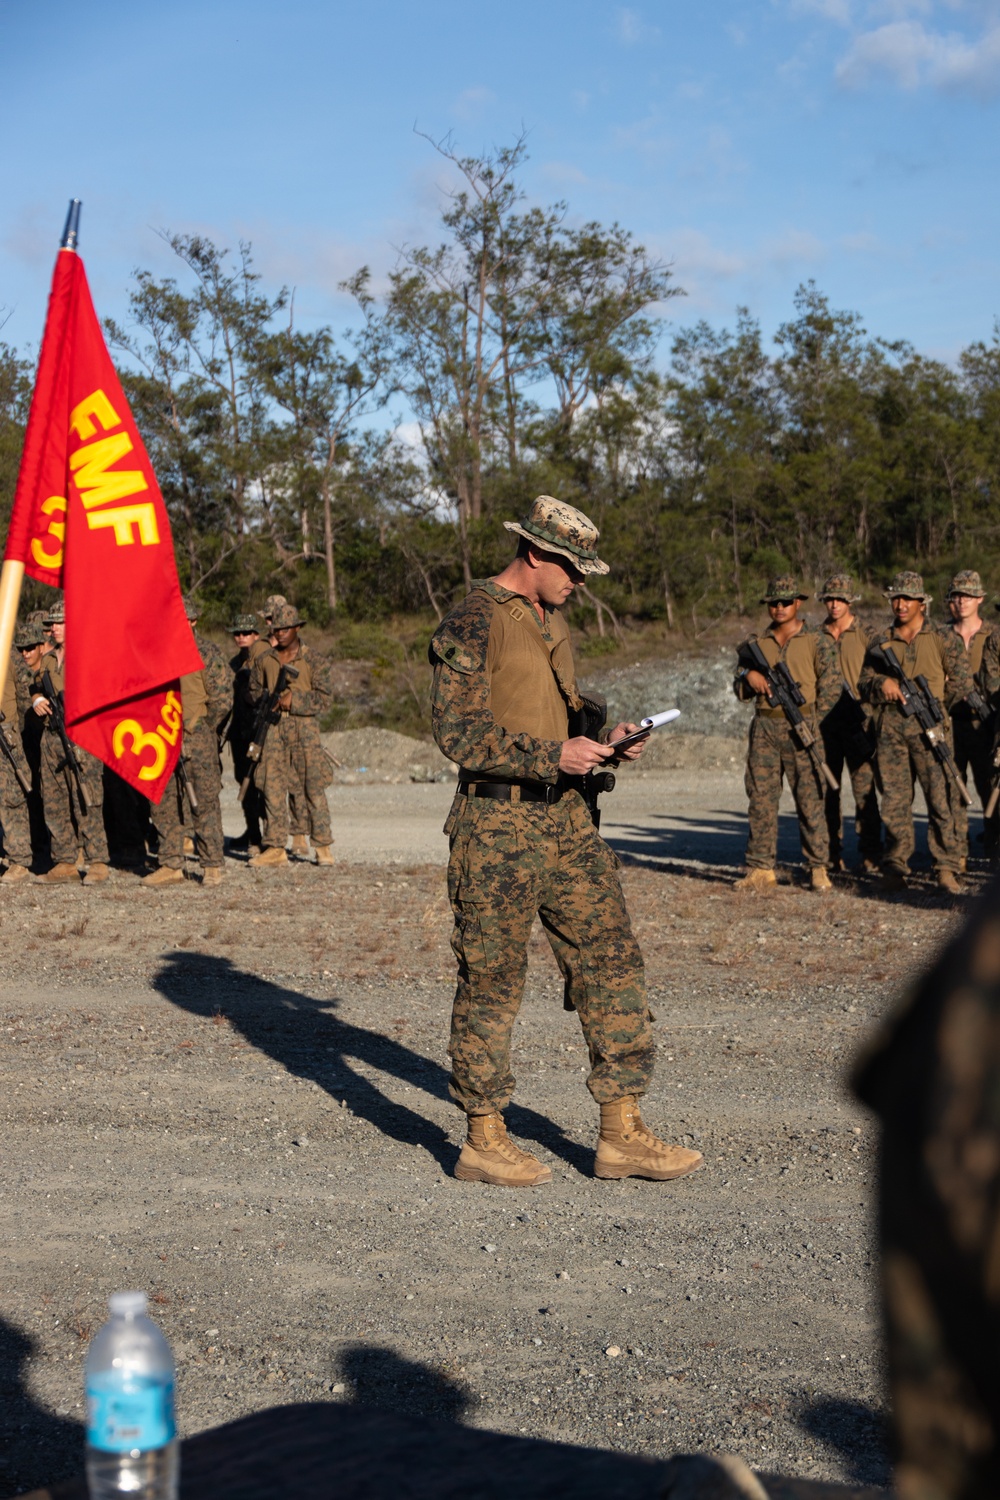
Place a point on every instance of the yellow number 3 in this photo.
(130, 733)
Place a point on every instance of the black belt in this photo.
(502, 791)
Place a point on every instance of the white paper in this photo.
(656, 720)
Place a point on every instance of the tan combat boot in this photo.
(948, 881)
(96, 872)
(300, 846)
(324, 854)
(270, 856)
(489, 1155)
(163, 876)
(757, 880)
(211, 875)
(58, 874)
(627, 1148)
(188, 844)
(819, 880)
(14, 873)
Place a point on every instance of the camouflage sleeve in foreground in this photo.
(743, 664)
(829, 678)
(463, 723)
(956, 666)
(989, 671)
(316, 701)
(218, 681)
(933, 1078)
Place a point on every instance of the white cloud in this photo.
(917, 57)
(471, 102)
(632, 29)
(794, 247)
(830, 10)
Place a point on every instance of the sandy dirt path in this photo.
(237, 1100)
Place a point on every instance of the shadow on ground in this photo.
(859, 1433)
(35, 1446)
(309, 1039)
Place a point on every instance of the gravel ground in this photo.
(236, 1099)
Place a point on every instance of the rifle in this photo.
(9, 753)
(784, 692)
(857, 723)
(185, 783)
(920, 703)
(267, 714)
(58, 719)
(589, 719)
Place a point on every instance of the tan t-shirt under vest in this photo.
(799, 656)
(921, 658)
(530, 669)
(852, 647)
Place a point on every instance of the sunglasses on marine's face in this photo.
(780, 603)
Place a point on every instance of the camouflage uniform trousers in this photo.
(70, 828)
(973, 752)
(509, 862)
(844, 747)
(775, 753)
(293, 761)
(173, 817)
(14, 805)
(253, 802)
(903, 758)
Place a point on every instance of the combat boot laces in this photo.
(489, 1155)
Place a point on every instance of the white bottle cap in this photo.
(127, 1304)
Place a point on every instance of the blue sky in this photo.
(752, 145)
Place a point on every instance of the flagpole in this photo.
(12, 573)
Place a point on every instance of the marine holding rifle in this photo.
(189, 807)
(293, 759)
(913, 675)
(972, 718)
(72, 778)
(524, 844)
(793, 674)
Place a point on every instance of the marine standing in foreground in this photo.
(523, 843)
(904, 756)
(774, 751)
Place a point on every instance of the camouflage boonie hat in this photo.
(908, 586)
(244, 625)
(56, 615)
(783, 587)
(967, 582)
(271, 603)
(840, 586)
(27, 635)
(285, 616)
(191, 608)
(554, 526)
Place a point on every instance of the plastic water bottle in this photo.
(131, 1433)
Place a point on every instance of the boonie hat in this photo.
(783, 587)
(967, 582)
(191, 608)
(244, 624)
(56, 615)
(285, 616)
(909, 586)
(840, 586)
(554, 526)
(271, 603)
(28, 635)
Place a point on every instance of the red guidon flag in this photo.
(88, 516)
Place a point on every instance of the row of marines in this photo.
(58, 804)
(860, 715)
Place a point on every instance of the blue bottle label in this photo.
(126, 1412)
